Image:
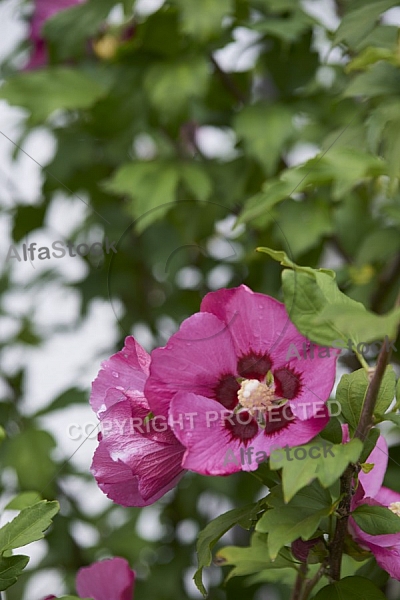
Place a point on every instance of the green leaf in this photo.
(171, 85)
(327, 467)
(27, 219)
(382, 79)
(351, 588)
(352, 390)
(202, 19)
(376, 520)
(23, 500)
(29, 454)
(46, 90)
(196, 180)
(151, 187)
(71, 28)
(305, 298)
(284, 260)
(11, 568)
(28, 526)
(358, 22)
(253, 559)
(370, 56)
(362, 323)
(265, 130)
(299, 518)
(210, 535)
(302, 224)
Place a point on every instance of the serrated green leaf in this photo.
(362, 323)
(376, 520)
(299, 518)
(11, 568)
(210, 535)
(28, 526)
(23, 500)
(327, 467)
(284, 260)
(65, 87)
(352, 389)
(253, 559)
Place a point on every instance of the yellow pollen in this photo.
(255, 395)
(395, 508)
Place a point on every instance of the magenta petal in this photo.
(116, 480)
(210, 447)
(111, 579)
(388, 559)
(126, 371)
(260, 324)
(386, 496)
(152, 452)
(194, 360)
(372, 481)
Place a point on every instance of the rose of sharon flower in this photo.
(226, 382)
(44, 9)
(385, 547)
(110, 579)
(138, 459)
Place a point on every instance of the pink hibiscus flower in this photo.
(44, 9)
(138, 459)
(110, 579)
(227, 379)
(386, 547)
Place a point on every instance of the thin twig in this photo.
(346, 481)
(298, 586)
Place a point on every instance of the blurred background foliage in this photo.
(194, 131)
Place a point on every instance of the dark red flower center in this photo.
(254, 366)
(287, 383)
(226, 391)
(242, 426)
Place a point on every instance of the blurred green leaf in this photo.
(66, 88)
(202, 19)
(265, 130)
(356, 23)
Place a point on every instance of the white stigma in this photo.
(395, 508)
(255, 395)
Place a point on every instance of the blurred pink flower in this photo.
(137, 461)
(234, 355)
(44, 9)
(386, 547)
(110, 579)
